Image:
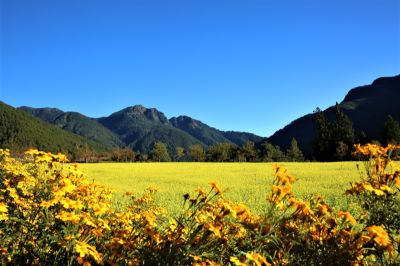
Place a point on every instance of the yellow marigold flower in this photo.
(3, 251)
(86, 250)
(347, 217)
(323, 208)
(101, 209)
(215, 230)
(280, 205)
(3, 207)
(363, 239)
(81, 248)
(216, 188)
(119, 241)
(257, 259)
(196, 258)
(3, 217)
(200, 218)
(82, 261)
(227, 207)
(68, 217)
(368, 187)
(88, 220)
(276, 167)
(68, 238)
(61, 157)
(46, 204)
(69, 203)
(282, 178)
(238, 262)
(32, 152)
(380, 236)
(378, 192)
(397, 182)
(67, 185)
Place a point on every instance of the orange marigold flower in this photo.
(276, 167)
(397, 182)
(216, 188)
(347, 217)
(380, 236)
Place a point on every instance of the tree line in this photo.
(335, 138)
(220, 152)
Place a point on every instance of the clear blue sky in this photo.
(234, 64)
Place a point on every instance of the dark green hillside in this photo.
(46, 114)
(206, 134)
(77, 123)
(140, 128)
(368, 107)
(19, 130)
(210, 135)
(239, 138)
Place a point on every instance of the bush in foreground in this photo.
(51, 214)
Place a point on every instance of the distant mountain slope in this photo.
(139, 128)
(240, 138)
(78, 124)
(20, 130)
(206, 134)
(209, 135)
(367, 106)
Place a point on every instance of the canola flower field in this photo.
(248, 183)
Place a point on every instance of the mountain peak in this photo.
(381, 87)
(181, 120)
(139, 111)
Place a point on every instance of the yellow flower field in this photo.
(248, 183)
(50, 213)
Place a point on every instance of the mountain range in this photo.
(139, 128)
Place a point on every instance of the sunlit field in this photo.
(249, 183)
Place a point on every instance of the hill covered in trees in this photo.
(367, 107)
(19, 130)
(77, 123)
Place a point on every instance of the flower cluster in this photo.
(50, 213)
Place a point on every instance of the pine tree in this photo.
(322, 141)
(294, 154)
(334, 139)
(391, 131)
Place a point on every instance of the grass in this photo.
(248, 183)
